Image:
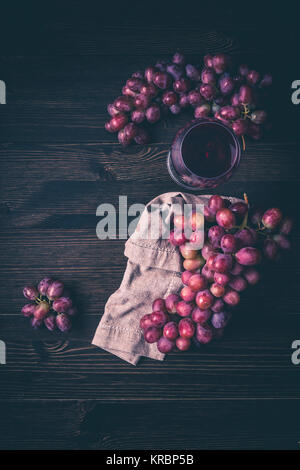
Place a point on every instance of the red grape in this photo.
(158, 304)
(208, 273)
(220, 62)
(210, 263)
(183, 344)
(164, 345)
(118, 122)
(237, 269)
(253, 77)
(137, 116)
(208, 76)
(187, 253)
(204, 333)
(123, 138)
(186, 328)
(197, 282)
(222, 278)
(112, 110)
(238, 283)
(142, 137)
(228, 243)
(193, 264)
(239, 209)
(215, 234)
(159, 318)
(204, 299)
(170, 330)
(208, 215)
(149, 90)
(184, 309)
(202, 111)
(187, 294)
(177, 237)
(231, 297)
(200, 316)
(135, 84)
(162, 80)
(208, 60)
(145, 321)
(169, 98)
(185, 276)
(35, 323)
(252, 276)
(208, 91)
(207, 251)
(217, 306)
(141, 101)
(196, 221)
(226, 84)
(272, 218)
(245, 237)
(248, 256)
(196, 240)
(182, 85)
(245, 95)
(194, 98)
(240, 126)
(171, 302)
(223, 263)
(184, 101)
(259, 116)
(149, 74)
(226, 218)
(62, 304)
(123, 104)
(217, 290)
(55, 290)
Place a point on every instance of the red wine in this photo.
(208, 150)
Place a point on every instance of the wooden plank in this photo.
(209, 424)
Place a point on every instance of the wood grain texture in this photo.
(63, 62)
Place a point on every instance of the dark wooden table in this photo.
(62, 64)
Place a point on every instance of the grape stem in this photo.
(244, 143)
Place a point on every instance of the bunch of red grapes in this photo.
(236, 240)
(51, 308)
(235, 96)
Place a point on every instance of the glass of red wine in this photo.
(203, 154)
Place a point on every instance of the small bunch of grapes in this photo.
(236, 239)
(51, 307)
(235, 96)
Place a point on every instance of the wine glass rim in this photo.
(197, 122)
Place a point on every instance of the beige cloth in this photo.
(153, 270)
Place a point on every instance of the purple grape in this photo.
(270, 249)
(200, 316)
(231, 297)
(244, 70)
(266, 81)
(259, 116)
(230, 113)
(152, 334)
(28, 310)
(35, 323)
(169, 98)
(131, 130)
(220, 63)
(30, 292)
(149, 90)
(238, 283)
(208, 60)
(184, 309)
(142, 137)
(204, 299)
(218, 306)
(123, 104)
(50, 322)
(237, 269)
(164, 345)
(246, 237)
(239, 209)
(272, 218)
(55, 290)
(240, 127)
(208, 91)
(176, 71)
(161, 65)
(137, 116)
(63, 322)
(135, 84)
(253, 77)
(245, 95)
(195, 98)
(226, 218)
(178, 58)
(220, 320)
(222, 278)
(215, 233)
(234, 100)
(252, 276)
(282, 241)
(62, 304)
(175, 109)
(182, 85)
(255, 216)
(208, 273)
(153, 113)
(204, 333)
(162, 80)
(112, 110)
(123, 138)
(149, 74)
(226, 84)
(192, 72)
(208, 76)
(228, 243)
(248, 256)
(44, 284)
(141, 101)
(184, 101)
(286, 226)
(138, 74)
